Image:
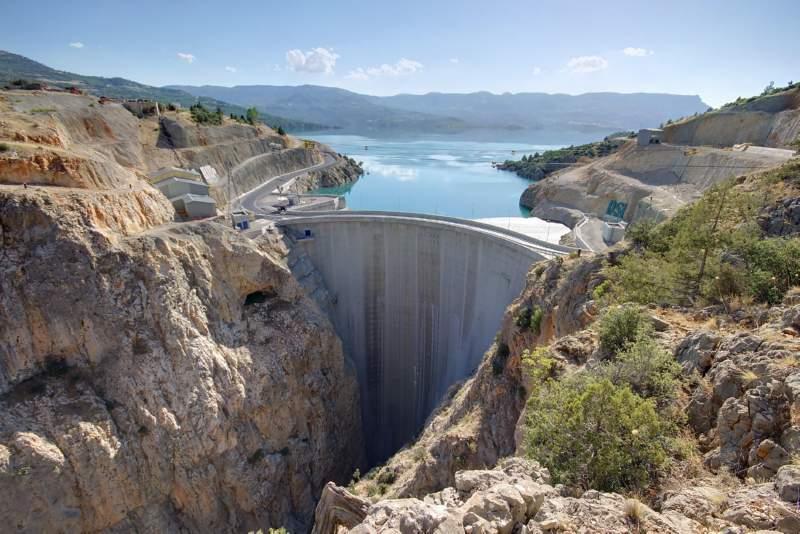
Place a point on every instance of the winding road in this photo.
(258, 197)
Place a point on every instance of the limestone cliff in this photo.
(154, 377)
(345, 171)
(772, 121)
(173, 379)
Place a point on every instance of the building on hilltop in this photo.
(650, 136)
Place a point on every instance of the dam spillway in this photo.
(416, 301)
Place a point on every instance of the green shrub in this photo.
(601, 290)
(201, 115)
(530, 318)
(523, 319)
(647, 368)
(641, 233)
(591, 433)
(4, 147)
(536, 320)
(621, 326)
(538, 364)
(773, 266)
(645, 278)
(251, 116)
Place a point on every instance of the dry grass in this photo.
(748, 377)
(635, 511)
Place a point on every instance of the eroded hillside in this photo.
(154, 376)
(653, 181)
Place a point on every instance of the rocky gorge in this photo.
(176, 377)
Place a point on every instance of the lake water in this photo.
(437, 176)
(441, 176)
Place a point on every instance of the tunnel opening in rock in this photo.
(416, 301)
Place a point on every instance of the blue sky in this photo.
(717, 49)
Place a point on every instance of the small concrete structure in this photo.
(174, 172)
(613, 232)
(187, 191)
(175, 187)
(209, 174)
(276, 146)
(142, 108)
(240, 219)
(650, 136)
(191, 206)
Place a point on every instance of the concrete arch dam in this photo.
(416, 301)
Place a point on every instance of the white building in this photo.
(187, 191)
(650, 136)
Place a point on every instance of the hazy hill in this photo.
(15, 67)
(604, 112)
(532, 110)
(329, 105)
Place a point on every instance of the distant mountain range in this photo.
(312, 107)
(15, 67)
(599, 112)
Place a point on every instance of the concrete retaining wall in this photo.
(416, 303)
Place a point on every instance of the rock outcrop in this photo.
(517, 497)
(154, 377)
(173, 379)
(345, 171)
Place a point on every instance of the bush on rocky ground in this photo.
(592, 433)
(621, 326)
(649, 370)
(714, 249)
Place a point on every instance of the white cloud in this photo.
(637, 52)
(583, 64)
(188, 58)
(537, 71)
(357, 74)
(76, 44)
(454, 60)
(316, 60)
(230, 69)
(402, 67)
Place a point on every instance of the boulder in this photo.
(696, 351)
(698, 502)
(758, 507)
(787, 483)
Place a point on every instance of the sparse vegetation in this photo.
(201, 115)
(4, 147)
(712, 251)
(634, 511)
(620, 326)
(649, 370)
(530, 318)
(42, 110)
(592, 433)
(538, 166)
(769, 90)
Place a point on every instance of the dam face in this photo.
(416, 303)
